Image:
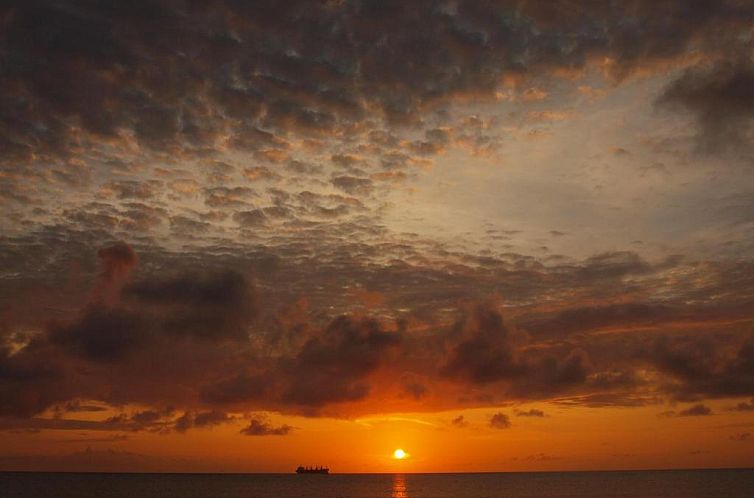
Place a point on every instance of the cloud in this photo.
(332, 367)
(101, 334)
(208, 307)
(744, 406)
(258, 426)
(194, 320)
(145, 420)
(721, 99)
(37, 424)
(129, 189)
(500, 421)
(584, 319)
(484, 353)
(211, 306)
(97, 67)
(76, 406)
(532, 412)
(459, 422)
(33, 370)
(741, 437)
(201, 420)
(117, 262)
(703, 367)
(353, 185)
(610, 399)
(305, 102)
(698, 410)
(238, 389)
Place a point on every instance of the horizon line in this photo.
(664, 469)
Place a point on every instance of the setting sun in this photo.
(399, 454)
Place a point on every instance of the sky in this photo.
(507, 235)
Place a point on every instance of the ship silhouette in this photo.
(312, 470)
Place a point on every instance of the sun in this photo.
(399, 454)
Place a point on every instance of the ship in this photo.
(312, 470)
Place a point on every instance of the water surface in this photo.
(634, 484)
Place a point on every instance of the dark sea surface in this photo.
(638, 484)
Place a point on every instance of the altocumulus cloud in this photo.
(249, 154)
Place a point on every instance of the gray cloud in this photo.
(459, 422)
(500, 421)
(260, 427)
(532, 412)
(744, 406)
(308, 69)
(721, 99)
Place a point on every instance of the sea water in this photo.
(634, 484)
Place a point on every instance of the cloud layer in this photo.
(218, 209)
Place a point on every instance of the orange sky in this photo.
(563, 439)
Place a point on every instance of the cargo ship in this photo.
(312, 470)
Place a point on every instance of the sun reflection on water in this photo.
(399, 486)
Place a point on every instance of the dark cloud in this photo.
(353, 185)
(459, 422)
(117, 262)
(484, 353)
(242, 388)
(533, 412)
(201, 420)
(190, 228)
(194, 321)
(146, 420)
(102, 334)
(251, 219)
(584, 319)
(613, 264)
(500, 421)
(698, 410)
(30, 382)
(128, 189)
(206, 306)
(703, 367)
(76, 406)
(146, 417)
(227, 197)
(260, 427)
(744, 406)
(721, 98)
(37, 423)
(168, 79)
(552, 373)
(333, 366)
(209, 307)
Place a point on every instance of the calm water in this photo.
(641, 484)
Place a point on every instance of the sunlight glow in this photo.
(399, 454)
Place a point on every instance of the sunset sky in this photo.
(499, 235)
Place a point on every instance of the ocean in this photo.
(634, 484)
